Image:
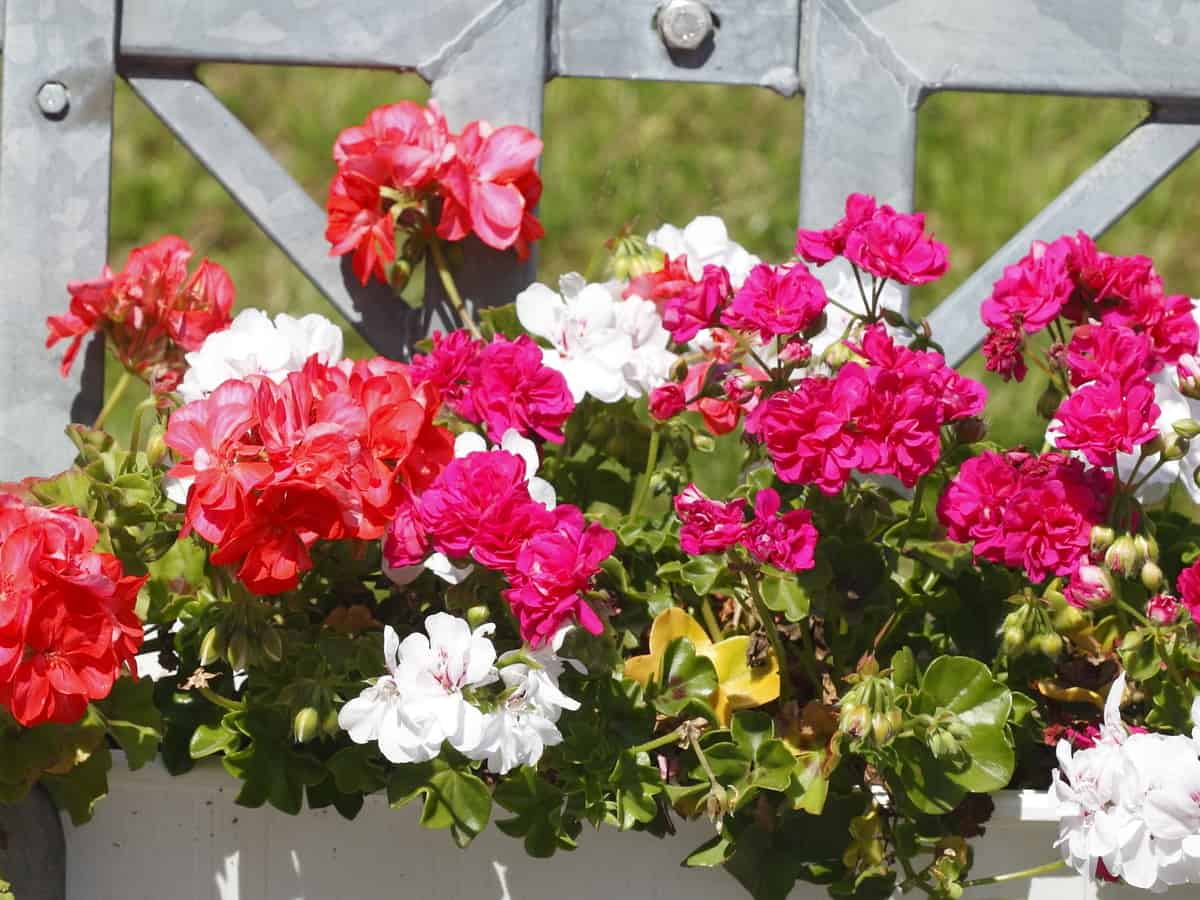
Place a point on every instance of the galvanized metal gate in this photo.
(864, 67)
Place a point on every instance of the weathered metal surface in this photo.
(32, 848)
(273, 199)
(1093, 202)
(53, 216)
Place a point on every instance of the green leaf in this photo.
(924, 784)
(208, 740)
(635, 789)
(78, 790)
(684, 676)
(712, 852)
(72, 488)
(500, 320)
(967, 688)
(357, 768)
(133, 720)
(946, 557)
(539, 817)
(784, 594)
(271, 769)
(701, 573)
(453, 799)
(992, 760)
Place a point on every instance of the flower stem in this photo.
(1013, 876)
(447, 278)
(114, 398)
(710, 620)
(768, 624)
(135, 436)
(642, 491)
(1133, 611)
(217, 700)
(862, 292)
(662, 740)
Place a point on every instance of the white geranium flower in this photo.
(525, 723)
(649, 364)
(705, 241)
(419, 704)
(1132, 801)
(587, 346)
(254, 345)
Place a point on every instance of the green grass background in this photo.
(618, 152)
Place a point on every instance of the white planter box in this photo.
(161, 838)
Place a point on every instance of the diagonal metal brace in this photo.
(1093, 202)
(278, 205)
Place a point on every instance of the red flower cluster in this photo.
(151, 311)
(403, 158)
(326, 454)
(1030, 512)
(883, 417)
(67, 621)
(501, 385)
(480, 508)
(876, 238)
(1071, 278)
(785, 541)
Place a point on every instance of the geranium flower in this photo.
(150, 312)
(739, 686)
(776, 301)
(708, 526)
(419, 703)
(254, 345)
(704, 241)
(511, 387)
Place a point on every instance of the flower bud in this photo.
(1091, 587)
(1162, 609)
(970, 430)
(837, 355)
(305, 724)
(272, 644)
(855, 720)
(156, 448)
(478, 615)
(1048, 644)
(881, 729)
(238, 651)
(1047, 404)
(1147, 546)
(1175, 448)
(1013, 641)
(1187, 428)
(666, 402)
(893, 317)
(1152, 576)
(1189, 376)
(1153, 446)
(212, 647)
(1102, 538)
(703, 442)
(1122, 557)
(632, 256)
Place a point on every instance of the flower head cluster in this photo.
(151, 312)
(785, 541)
(883, 415)
(254, 345)
(1030, 512)
(483, 508)
(1129, 805)
(433, 690)
(324, 454)
(877, 239)
(501, 385)
(776, 301)
(404, 157)
(1071, 278)
(603, 345)
(67, 621)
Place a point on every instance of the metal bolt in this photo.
(684, 24)
(53, 99)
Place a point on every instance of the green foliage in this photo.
(454, 798)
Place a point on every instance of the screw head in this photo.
(53, 99)
(684, 24)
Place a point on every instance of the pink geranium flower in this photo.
(708, 526)
(785, 541)
(1106, 417)
(512, 388)
(776, 301)
(698, 306)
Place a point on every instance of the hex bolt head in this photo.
(53, 99)
(684, 24)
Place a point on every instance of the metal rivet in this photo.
(684, 24)
(53, 99)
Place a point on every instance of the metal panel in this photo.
(33, 851)
(270, 196)
(1093, 202)
(755, 42)
(496, 70)
(53, 215)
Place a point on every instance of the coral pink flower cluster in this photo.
(67, 621)
(1072, 279)
(785, 541)
(883, 415)
(877, 239)
(500, 385)
(480, 508)
(1034, 513)
(403, 157)
(324, 455)
(151, 312)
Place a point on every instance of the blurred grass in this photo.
(622, 151)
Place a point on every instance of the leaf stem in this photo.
(1133, 611)
(671, 737)
(447, 278)
(114, 398)
(710, 620)
(768, 624)
(217, 700)
(1013, 876)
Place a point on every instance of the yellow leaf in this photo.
(669, 624)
